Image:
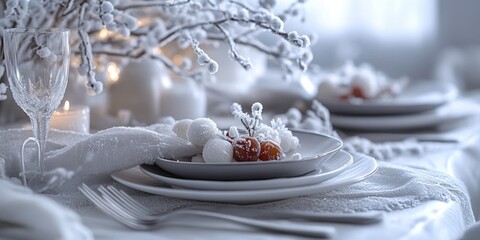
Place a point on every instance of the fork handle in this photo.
(316, 231)
(355, 218)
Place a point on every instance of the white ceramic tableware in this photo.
(453, 111)
(327, 170)
(314, 149)
(419, 96)
(361, 168)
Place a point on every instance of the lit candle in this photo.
(71, 118)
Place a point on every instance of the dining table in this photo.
(432, 192)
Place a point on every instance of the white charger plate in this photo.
(417, 97)
(327, 170)
(314, 148)
(362, 167)
(453, 111)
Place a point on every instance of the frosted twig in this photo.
(149, 4)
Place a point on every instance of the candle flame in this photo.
(66, 106)
(103, 34)
(113, 71)
(143, 22)
(158, 51)
(177, 59)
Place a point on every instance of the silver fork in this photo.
(131, 213)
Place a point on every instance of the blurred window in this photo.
(390, 20)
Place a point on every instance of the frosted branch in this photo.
(149, 4)
(104, 29)
(245, 63)
(86, 66)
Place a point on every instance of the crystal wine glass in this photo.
(37, 62)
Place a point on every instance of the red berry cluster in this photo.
(356, 92)
(247, 148)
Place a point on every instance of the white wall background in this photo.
(400, 37)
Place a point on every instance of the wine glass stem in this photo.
(40, 131)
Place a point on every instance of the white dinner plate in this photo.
(362, 167)
(417, 97)
(314, 149)
(453, 111)
(326, 170)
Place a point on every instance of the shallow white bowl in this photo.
(418, 97)
(314, 148)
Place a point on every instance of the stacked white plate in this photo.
(423, 104)
(323, 167)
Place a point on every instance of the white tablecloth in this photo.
(431, 219)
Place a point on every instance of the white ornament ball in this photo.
(180, 128)
(331, 87)
(201, 130)
(312, 124)
(293, 114)
(218, 151)
(288, 142)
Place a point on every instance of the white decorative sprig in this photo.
(250, 122)
(257, 109)
(137, 29)
(237, 111)
(277, 124)
(316, 119)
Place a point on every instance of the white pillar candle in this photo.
(182, 98)
(137, 90)
(71, 118)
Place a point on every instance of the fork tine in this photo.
(126, 209)
(113, 203)
(119, 203)
(95, 198)
(130, 200)
(128, 203)
(103, 206)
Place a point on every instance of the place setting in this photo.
(362, 99)
(314, 163)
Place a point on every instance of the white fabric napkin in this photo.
(74, 155)
(72, 158)
(25, 215)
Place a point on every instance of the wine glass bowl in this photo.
(37, 63)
